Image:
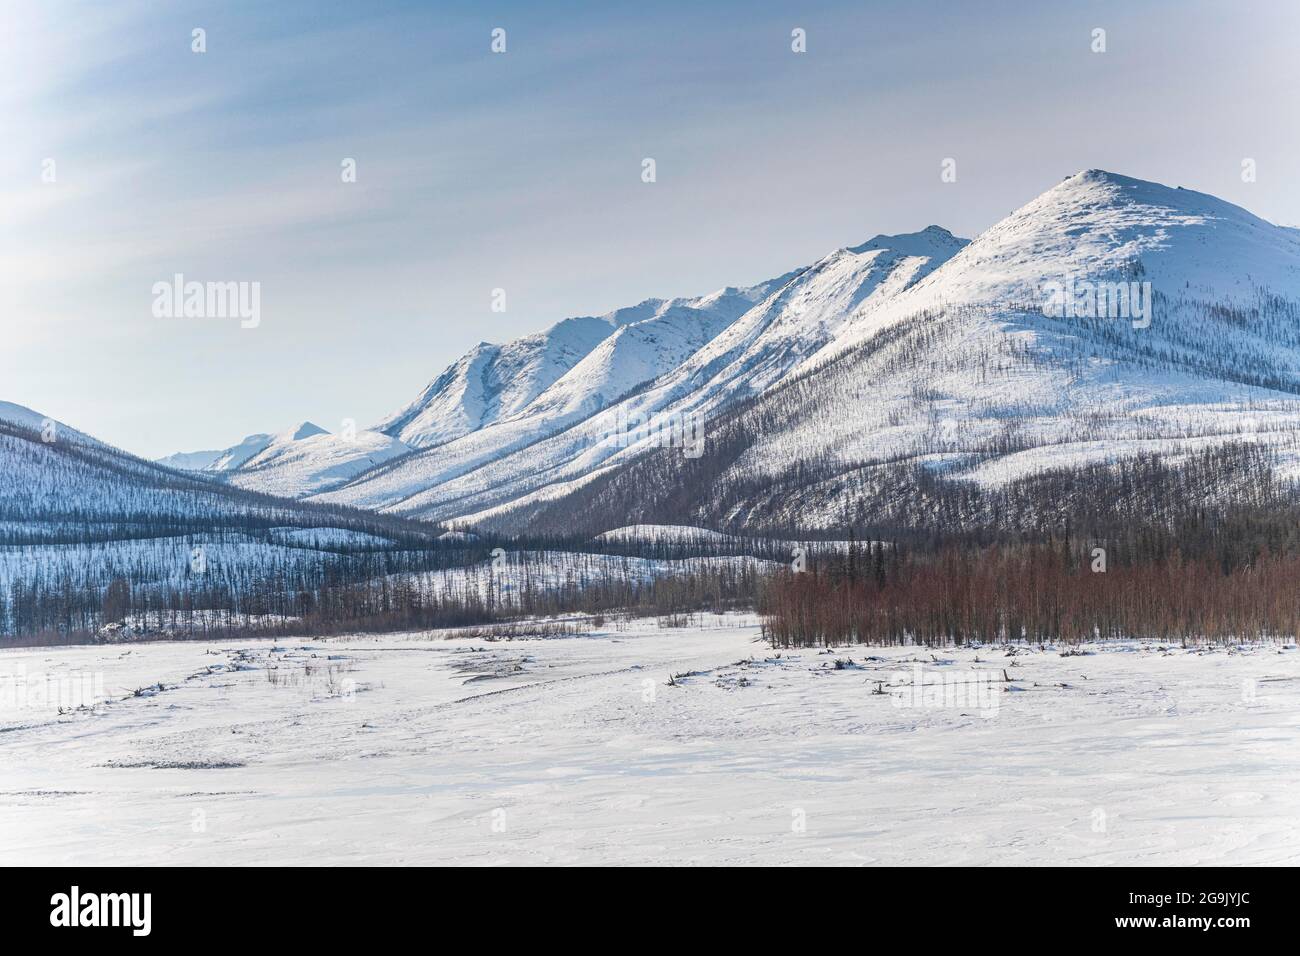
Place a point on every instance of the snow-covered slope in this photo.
(191, 460)
(636, 353)
(970, 352)
(50, 430)
(76, 514)
(298, 461)
(50, 487)
(492, 383)
(491, 380)
(639, 352)
(797, 315)
(293, 467)
(965, 374)
(1102, 226)
(234, 456)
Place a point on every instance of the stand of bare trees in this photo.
(1037, 593)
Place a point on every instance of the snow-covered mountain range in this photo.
(915, 348)
(577, 364)
(529, 387)
(968, 375)
(797, 315)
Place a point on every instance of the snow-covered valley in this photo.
(755, 435)
(628, 742)
(858, 419)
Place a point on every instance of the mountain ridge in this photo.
(956, 329)
(758, 348)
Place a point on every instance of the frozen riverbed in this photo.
(420, 749)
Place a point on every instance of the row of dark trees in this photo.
(1037, 592)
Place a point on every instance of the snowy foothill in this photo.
(625, 742)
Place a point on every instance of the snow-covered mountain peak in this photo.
(490, 382)
(1098, 176)
(926, 242)
(1181, 240)
(300, 431)
(967, 338)
(645, 309)
(1139, 212)
(974, 359)
(1101, 226)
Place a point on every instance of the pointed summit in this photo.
(1102, 225)
(927, 242)
(300, 431)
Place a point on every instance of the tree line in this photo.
(1040, 592)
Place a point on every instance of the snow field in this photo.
(438, 748)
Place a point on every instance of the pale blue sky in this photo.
(522, 170)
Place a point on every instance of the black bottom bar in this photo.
(302, 906)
